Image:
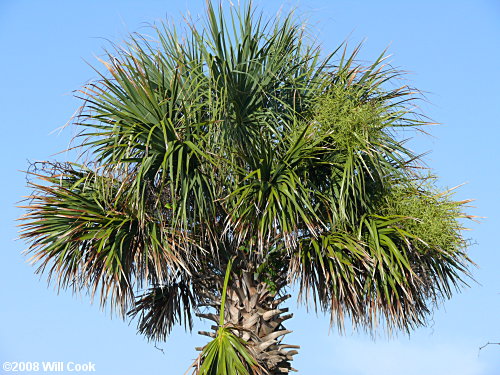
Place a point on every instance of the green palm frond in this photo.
(227, 354)
(86, 235)
(386, 270)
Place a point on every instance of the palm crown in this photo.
(242, 143)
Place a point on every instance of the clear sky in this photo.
(451, 51)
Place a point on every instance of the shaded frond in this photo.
(162, 307)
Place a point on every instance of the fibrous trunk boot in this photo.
(252, 311)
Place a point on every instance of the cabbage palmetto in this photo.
(242, 143)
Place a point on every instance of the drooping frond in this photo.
(389, 269)
(162, 307)
(86, 235)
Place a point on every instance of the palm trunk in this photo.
(253, 311)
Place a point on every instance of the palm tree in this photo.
(222, 167)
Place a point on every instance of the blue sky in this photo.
(451, 51)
